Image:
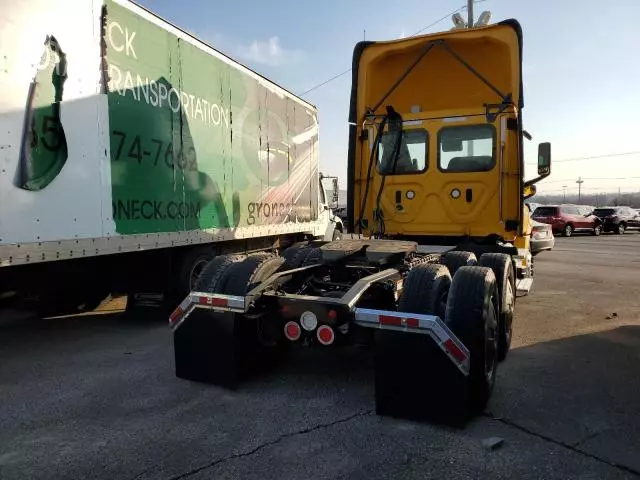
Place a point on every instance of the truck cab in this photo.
(436, 139)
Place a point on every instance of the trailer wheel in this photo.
(472, 316)
(425, 290)
(455, 259)
(213, 272)
(502, 267)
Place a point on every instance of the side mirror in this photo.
(335, 197)
(544, 159)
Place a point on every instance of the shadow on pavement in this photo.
(581, 391)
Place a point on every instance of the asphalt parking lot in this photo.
(96, 397)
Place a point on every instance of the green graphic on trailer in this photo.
(193, 144)
(43, 151)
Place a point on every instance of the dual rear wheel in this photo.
(476, 304)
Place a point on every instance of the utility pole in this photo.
(580, 181)
(564, 194)
(470, 13)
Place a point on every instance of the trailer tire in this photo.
(425, 290)
(472, 317)
(210, 279)
(502, 267)
(455, 259)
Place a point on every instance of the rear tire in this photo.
(502, 267)
(471, 315)
(597, 230)
(455, 259)
(621, 228)
(313, 256)
(223, 348)
(211, 275)
(295, 255)
(425, 290)
(414, 379)
(567, 231)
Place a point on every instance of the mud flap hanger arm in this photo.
(492, 110)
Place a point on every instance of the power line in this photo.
(439, 20)
(335, 77)
(325, 82)
(587, 178)
(576, 159)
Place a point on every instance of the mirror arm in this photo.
(528, 183)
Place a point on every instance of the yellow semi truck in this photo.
(435, 194)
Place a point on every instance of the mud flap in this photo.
(415, 380)
(205, 350)
(221, 348)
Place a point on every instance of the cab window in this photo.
(468, 148)
(412, 157)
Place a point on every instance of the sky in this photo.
(581, 67)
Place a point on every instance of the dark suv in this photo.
(566, 219)
(618, 219)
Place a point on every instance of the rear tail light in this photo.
(292, 331)
(325, 335)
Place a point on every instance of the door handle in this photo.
(469, 195)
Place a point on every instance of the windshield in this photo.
(545, 211)
(468, 148)
(604, 212)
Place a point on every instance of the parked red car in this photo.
(567, 219)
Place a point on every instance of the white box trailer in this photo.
(131, 152)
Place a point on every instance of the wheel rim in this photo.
(620, 228)
(568, 230)
(491, 342)
(598, 230)
(196, 270)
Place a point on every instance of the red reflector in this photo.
(219, 302)
(213, 301)
(325, 335)
(397, 321)
(333, 314)
(455, 351)
(386, 320)
(292, 331)
(413, 322)
(175, 316)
